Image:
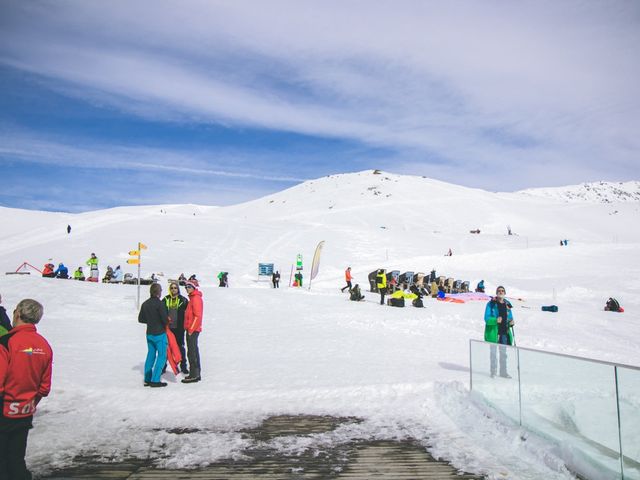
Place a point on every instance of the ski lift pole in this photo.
(291, 276)
(137, 261)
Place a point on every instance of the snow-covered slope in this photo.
(595, 192)
(265, 351)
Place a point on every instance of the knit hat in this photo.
(192, 285)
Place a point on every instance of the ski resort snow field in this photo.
(405, 372)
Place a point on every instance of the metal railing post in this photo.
(615, 371)
(470, 367)
(519, 387)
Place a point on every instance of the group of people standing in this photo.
(173, 315)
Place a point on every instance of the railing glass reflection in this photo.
(589, 409)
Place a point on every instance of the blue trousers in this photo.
(156, 357)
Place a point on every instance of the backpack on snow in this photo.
(612, 305)
(417, 302)
(550, 308)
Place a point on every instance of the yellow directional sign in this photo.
(133, 261)
(134, 252)
(142, 246)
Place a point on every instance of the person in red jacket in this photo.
(25, 377)
(193, 327)
(348, 278)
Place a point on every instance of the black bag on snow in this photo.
(550, 308)
(417, 302)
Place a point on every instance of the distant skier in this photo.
(480, 286)
(68, 229)
(348, 278)
(275, 279)
(498, 318)
(449, 253)
(298, 277)
(92, 263)
(223, 279)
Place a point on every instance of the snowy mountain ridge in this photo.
(593, 192)
(267, 351)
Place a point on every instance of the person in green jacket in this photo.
(92, 263)
(78, 274)
(381, 280)
(498, 320)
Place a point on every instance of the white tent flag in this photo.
(315, 266)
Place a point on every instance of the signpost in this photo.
(137, 261)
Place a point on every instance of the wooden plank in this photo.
(356, 460)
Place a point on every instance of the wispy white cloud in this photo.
(33, 149)
(487, 91)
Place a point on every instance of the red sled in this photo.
(173, 351)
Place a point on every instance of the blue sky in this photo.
(150, 102)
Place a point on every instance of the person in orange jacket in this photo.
(193, 327)
(48, 271)
(348, 278)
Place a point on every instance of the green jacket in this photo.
(92, 261)
(491, 322)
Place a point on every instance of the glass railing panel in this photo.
(629, 401)
(572, 402)
(498, 392)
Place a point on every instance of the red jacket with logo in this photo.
(25, 370)
(193, 314)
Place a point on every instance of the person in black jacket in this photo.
(154, 313)
(5, 321)
(176, 305)
(275, 279)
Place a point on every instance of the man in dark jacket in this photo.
(5, 322)
(25, 378)
(176, 305)
(154, 313)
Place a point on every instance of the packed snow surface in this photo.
(299, 351)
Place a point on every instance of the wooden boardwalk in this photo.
(356, 460)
